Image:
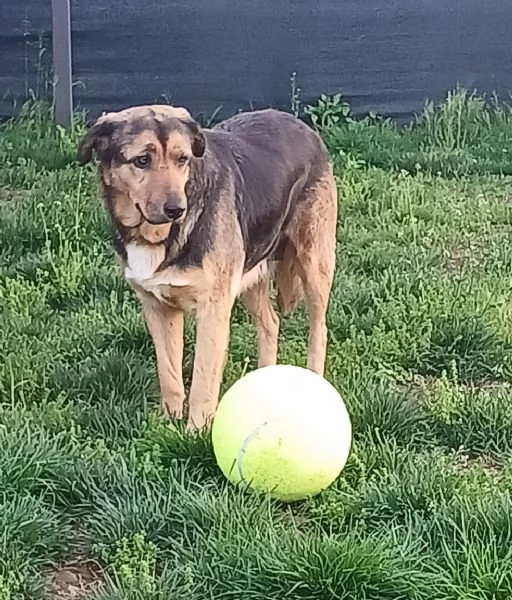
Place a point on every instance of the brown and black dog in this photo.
(203, 216)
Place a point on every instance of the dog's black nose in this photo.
(173, 212)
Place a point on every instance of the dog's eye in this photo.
(141, 162)
(183, 159)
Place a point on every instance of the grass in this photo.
(420, 329)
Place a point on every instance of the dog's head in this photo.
(145, 156)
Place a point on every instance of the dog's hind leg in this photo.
(318, 276)
(314, 237)
(257, 302)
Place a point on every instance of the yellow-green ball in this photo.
(283, 430)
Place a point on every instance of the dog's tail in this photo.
(290, 290)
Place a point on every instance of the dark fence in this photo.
(386, 56)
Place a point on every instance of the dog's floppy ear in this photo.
(198, 139)
(95, 140)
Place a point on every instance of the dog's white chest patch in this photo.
(142, 263)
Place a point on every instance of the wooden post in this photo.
(62, 70)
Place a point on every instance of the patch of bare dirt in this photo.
(421, 385)
(8, 195)
(76, 580)
(490, 385)
(485, 461)
(416, 388)
(457, 259)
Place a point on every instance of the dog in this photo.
(203, 216)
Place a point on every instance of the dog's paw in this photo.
(194, 428)
(172, 410)
(198, 424)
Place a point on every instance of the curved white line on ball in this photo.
(245, 445)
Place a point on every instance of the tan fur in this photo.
(135, 112)
(288, 281)
(313, 235)
(306, 270)
(258, 303)
(165, 325)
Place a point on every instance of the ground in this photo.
(100, 497)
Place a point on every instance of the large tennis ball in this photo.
(284, 430)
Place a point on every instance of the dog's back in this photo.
(275, 159)
(272, 129)
(274, 140)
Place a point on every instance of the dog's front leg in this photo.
(212, 340)
(165, 325)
